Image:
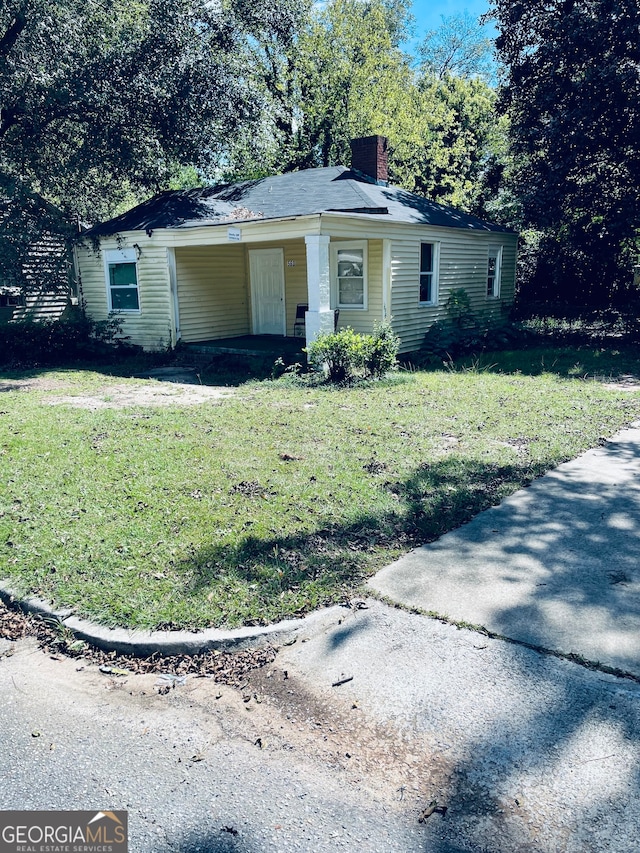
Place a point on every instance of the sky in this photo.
(428, 16)
(428, 12)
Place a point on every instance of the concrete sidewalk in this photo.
(556, 565)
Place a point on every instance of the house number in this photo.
(291, 263)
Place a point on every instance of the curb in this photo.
(146, 643)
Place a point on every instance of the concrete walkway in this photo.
(556, 565)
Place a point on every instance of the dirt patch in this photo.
(343, 737)
(124, 395)
(628, 382)
(624, 382)
(163, 391)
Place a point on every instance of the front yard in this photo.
(272, 498)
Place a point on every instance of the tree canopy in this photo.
(572, 93)
(105, 101)
(346, 75)
(459, 46)
(101, 100)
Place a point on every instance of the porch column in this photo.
(319, 317)
(173, 295)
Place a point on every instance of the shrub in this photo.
(341, 353)
(284, 368)
(444, 342)
(459, 311)
(345, 353)
(462, 333)
(382, 350)
(75, 336)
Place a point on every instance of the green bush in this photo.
(382, 350)
(463, 333)
(346, 354)
(75, 336)
(341, 353)
(459, 310)
(446, 341)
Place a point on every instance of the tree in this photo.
(104, 100)
(572, 93)
(454, 135)
(345, 75)
(458, 47)
(342, 75)
(354, 80)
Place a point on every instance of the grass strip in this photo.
(281, 497)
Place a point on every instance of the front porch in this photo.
(272, 290)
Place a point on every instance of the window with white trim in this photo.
(349, 266)
(121, 272)
(12, 299)
(429, 262)
(494, 268)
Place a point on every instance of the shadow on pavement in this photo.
(556, 565)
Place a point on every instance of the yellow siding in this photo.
(295, 279)
(275, 232)
(212, 292)
(295, 275)
(213, 276)
(463, 264)
(151, 326)
(214, 289)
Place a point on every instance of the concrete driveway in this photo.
(556, 565)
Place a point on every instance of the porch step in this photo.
(216, 350)
(250, 345)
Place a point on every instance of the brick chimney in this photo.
(369, 156)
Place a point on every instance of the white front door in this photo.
(266, 268)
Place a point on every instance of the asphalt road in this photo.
(526, 752)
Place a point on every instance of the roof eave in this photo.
(389, 218)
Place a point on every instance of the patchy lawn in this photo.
(269, 499)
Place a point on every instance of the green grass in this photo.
(586, 362)
(282, 497)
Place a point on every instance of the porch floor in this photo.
(265, 345)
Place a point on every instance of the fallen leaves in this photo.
(375, 466)
(248, 488)
(225, 667)
(14, 624)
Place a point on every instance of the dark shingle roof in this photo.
(333, 189)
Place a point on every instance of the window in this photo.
(122, 280)
(493, 271)
(350, 274)
(12, 299)
(429, 273)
